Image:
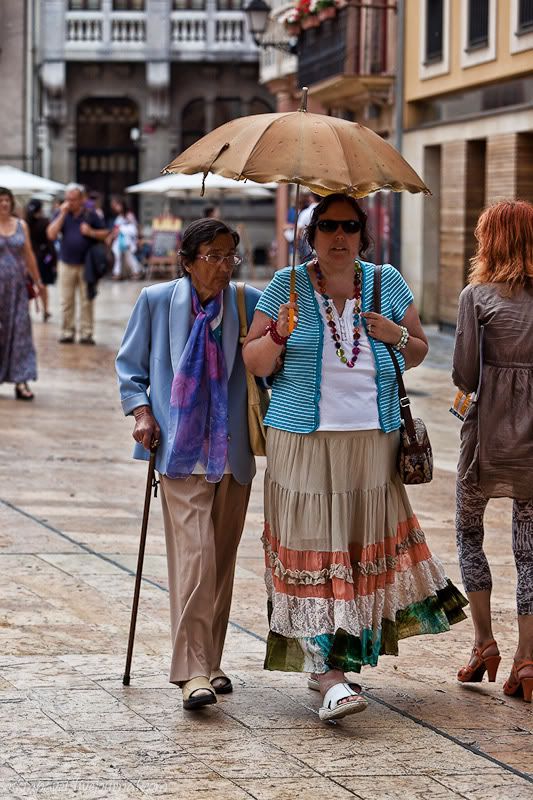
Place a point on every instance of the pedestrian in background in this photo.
(494, 357)
(43, 249)
(181, 375)
(79, 228)
(18, 363)
(349, 572)
(310, 200)
(124, 235)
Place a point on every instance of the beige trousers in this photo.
(70, 281)
(203, 526)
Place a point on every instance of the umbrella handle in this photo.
(292, 324)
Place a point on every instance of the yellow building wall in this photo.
(506, 64)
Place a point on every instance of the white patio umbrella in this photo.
(176, 185)
(25, 183)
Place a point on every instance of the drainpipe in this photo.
(398, 131)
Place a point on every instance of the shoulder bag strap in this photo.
(405, 403)
(241, 306)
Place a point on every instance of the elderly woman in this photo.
(17, 353)
(495, 326)
(349, 572)
(182, 376)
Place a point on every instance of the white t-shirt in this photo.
(348, 396)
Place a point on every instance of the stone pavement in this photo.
(70, 508)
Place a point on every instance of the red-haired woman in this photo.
(494, 355)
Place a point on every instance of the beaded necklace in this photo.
(330, 313)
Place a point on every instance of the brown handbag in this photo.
(415, 457)
(258, 396)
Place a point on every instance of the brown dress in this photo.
(497, 434)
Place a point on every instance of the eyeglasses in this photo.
(331, 225)
(217, 261)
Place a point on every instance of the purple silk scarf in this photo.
(198, 426)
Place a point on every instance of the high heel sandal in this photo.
(23, 392)
(520, 687)
(473, 673)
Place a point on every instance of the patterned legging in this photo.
(475, 571)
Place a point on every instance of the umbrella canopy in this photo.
(26, 183)
(174, 185)
(325, 153)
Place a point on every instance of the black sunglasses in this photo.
(331, 225)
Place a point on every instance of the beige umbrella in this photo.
(325, 153)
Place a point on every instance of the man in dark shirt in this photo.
(79, 229)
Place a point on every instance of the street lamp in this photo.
(257, 13)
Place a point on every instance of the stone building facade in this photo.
(127, 84)
(468, 131)
(18, 98)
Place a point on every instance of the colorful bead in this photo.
(330, 318)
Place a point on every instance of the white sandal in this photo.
(314, 685)
(332, 708)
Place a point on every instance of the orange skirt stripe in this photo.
(367, 580)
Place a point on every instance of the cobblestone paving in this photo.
(70, 507)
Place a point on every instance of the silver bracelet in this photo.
(404, 338)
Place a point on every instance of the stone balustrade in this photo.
(215, 31)
(123, 34)
(84, 28)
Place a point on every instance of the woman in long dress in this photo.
(17, 353)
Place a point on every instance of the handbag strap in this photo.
(241, 307)
(405, 403)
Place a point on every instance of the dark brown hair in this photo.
(323, 206)
(199, 232)
(8, 193)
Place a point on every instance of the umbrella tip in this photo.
(303, 104)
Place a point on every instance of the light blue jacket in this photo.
(154, 340)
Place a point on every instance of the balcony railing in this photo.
(357, 42)
(218, 32)
(94, 30)
(122, 34)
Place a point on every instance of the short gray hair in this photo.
(75, 187)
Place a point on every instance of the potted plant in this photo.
(291, 20)
(308, 14)
(326, 9)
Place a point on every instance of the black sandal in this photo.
(220, 682)
(23, 392)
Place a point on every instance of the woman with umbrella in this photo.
(349, 572)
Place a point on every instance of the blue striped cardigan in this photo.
(295, 399)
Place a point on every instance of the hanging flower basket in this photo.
(311, 21)
(292, 28)
(330, 12)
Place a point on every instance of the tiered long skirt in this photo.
(348, 570)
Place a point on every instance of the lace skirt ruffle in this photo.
(348, 569)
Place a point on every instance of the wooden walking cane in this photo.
(150, 481)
